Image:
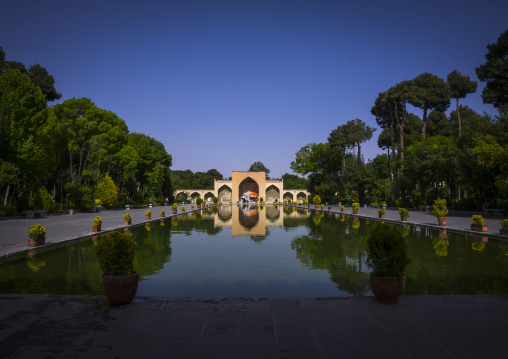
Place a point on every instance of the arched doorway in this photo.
(194, 195)
(247, 186)
(301, 196)
(272, 193)
(288, 196)
(225, 194)
(209, 196)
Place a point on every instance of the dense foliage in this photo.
(74, 148)
(461, 157)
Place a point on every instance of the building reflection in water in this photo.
(248, 219)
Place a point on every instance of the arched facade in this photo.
(243, 182)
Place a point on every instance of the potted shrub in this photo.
(504, 228)
(316, 200)
(261, 200)
(127, 219)
(329, 208)
(387, 256)
(192, 206)
(356, 207)
(304, 202)
(199, 201)
(342, 209)
(115, 252)
(404, 213)
(322, 206)
(381, 213)
(97, 222)
(215, 200)
(174, 208)
(440, 211)
(163, 213)
(478, 224)
(148, 214)
(183, 208)
(36, 235)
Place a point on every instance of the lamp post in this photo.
(61, 196)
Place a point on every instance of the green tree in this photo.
(23, 115)
(294, 182)
(495, 72)
(259, 167)
(429, 92)
(460, 86)
(107, 191)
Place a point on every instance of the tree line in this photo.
(462, 157)
(74, 153)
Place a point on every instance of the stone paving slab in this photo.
(51, 326)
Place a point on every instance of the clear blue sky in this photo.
(223, 84)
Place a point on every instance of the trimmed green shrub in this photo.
(97, 221)
(478, 220)
(381, 211)
(199, 201)
(504, 224)
(387, 251)
(127, 217)
(115, 252)
(439, 208)
(36, 232)
(403, 212)
(174, 206)
(148, 213)
(356, 205)
(316, 199)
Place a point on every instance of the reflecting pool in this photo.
(264, 251)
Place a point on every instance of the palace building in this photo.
(246, 185)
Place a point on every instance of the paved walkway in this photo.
(47, 326)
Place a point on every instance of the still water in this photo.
(265, 251)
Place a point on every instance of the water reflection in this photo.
(271, 251)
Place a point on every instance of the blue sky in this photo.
(223, 84)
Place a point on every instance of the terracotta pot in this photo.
(317, 205)
(36, 242)
(442, 221)
(163, 215)
(199, 206)
(381, 216)
(174, 211)
(128, 223)
(355, 211)
(479, 228)
(403, 218)
(147, 217)
(96, 228)
(120, 289)
(386, 289)
(503, 232)
(183, 209)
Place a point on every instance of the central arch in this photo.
(247, 186)
(247, 182)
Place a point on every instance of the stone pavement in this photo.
(50, 326)
(47, 326)
(65, 227)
